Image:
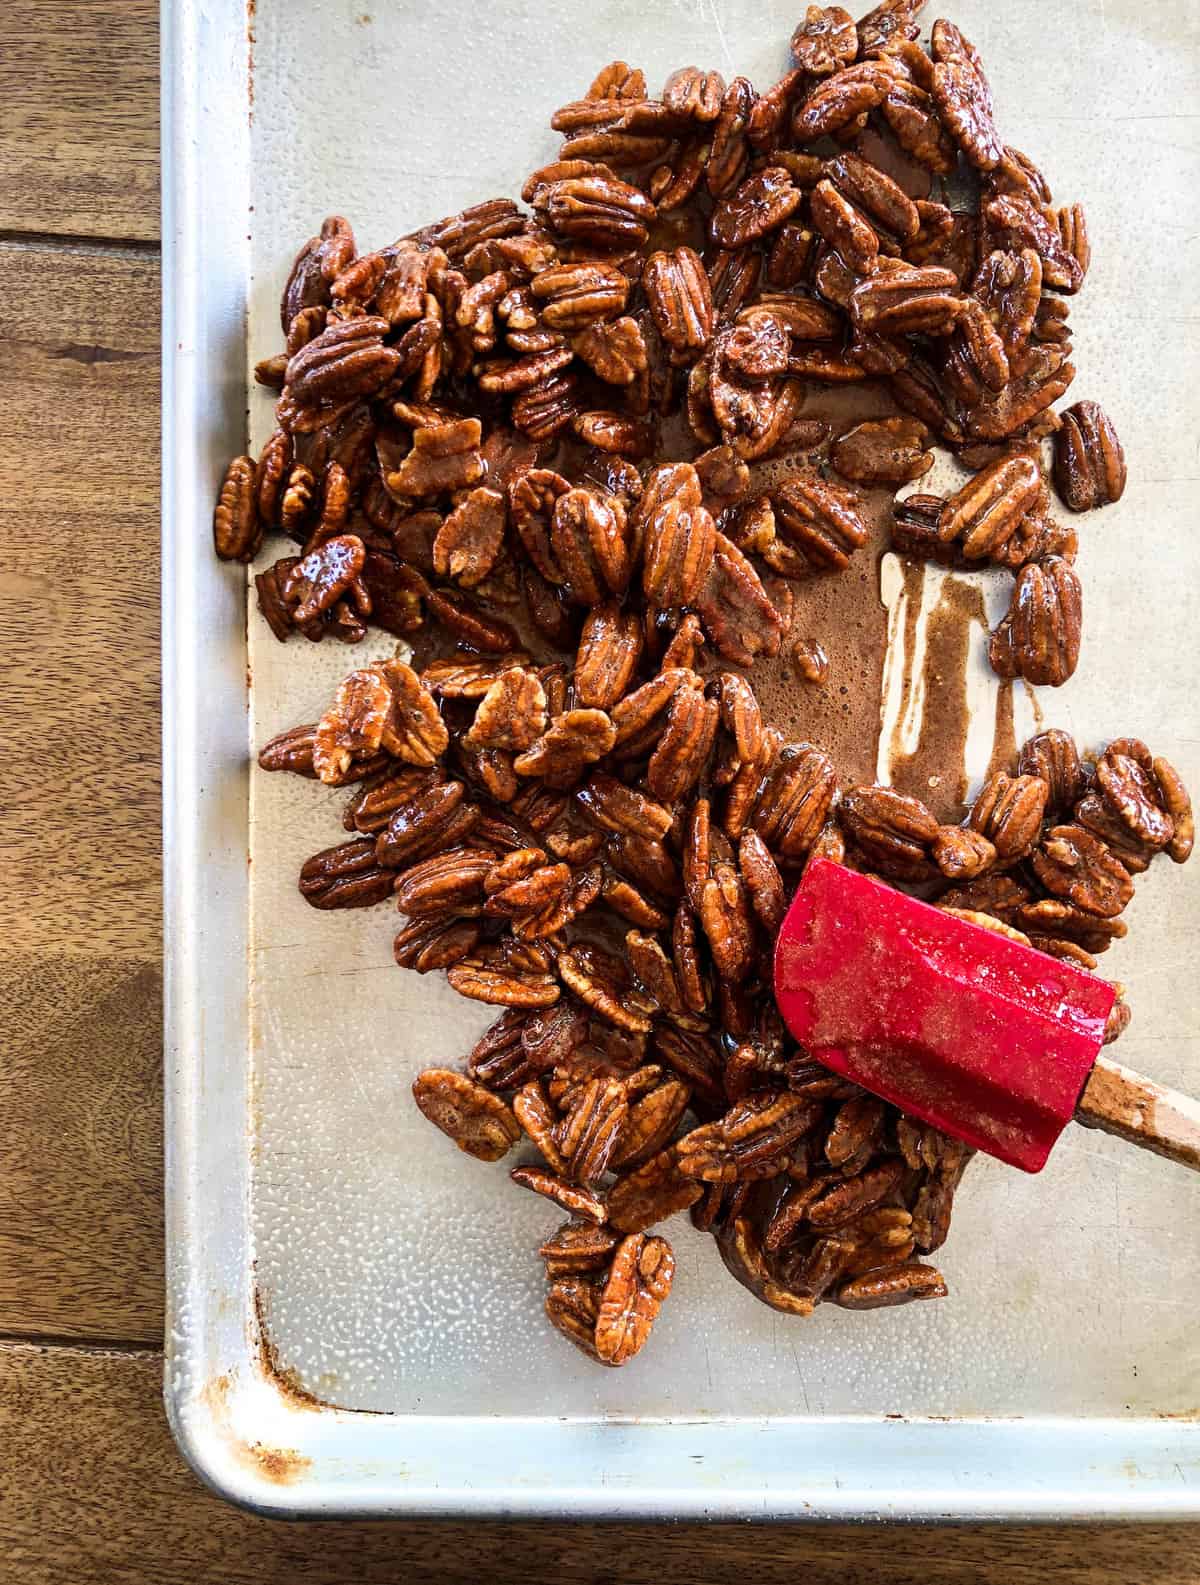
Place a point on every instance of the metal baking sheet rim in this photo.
(244, 1430)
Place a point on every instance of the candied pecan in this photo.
(1039, 638)
(1044, 377)
(319, 262)
(755, 207)
(445, 457)
(680, 298)
(477, 1121)
(914, 122)
(293, 751)
(824, 41)
(609, 649)
(578, 1247)
(589, 204)
(986, 512)
(1178, 805)
(894, 831)
(498, 1059)
(734, 607)
(512, 713)
(653, 971)
(615, 352)
(907, 299)
(748, 1140)
(346, 876)
(574, 296)
(820, 519)
(569, 1196)
(346, 361)
(795, 800)
(599, 980)
(848, 1199)
(743, 1256)
(589, 1134)
(624, 809)
(533, 372)
(652, 1120)
(1008, 286)
(724, 911)
(618, 433)
(1131, 795)
(463, 617)
(502, 985)
(469, 540)
(408, 818)
(694, 95)
(1053, 756)
(729, 154)
(589, 541)
(883, 201)
(1072, 228)
(572, 1306)
(638, 1282)
(353, 727)
(451, 882)
(883, 451)
(651, 1192)
(844, 228)
(427, 944)
(237, 530)
(573, 740)
(549, 1037)
(468, 679)
(764, 884)
(682, 752)
(1089, 464)
(1016, 222)
(1073, 864)
(315, 584)
(532, 499)
(680, 538)
(889, 22)
(836, 102)
(962, 854)
(900, 1284)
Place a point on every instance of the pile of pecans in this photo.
(531, 442)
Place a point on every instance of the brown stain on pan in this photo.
(282, 1466)
(286, 1380)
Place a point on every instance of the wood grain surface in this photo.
(80, 976)
(79, 118)
(91, 1487)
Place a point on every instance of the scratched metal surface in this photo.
(399, 1275)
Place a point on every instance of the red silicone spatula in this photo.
(986, 1038)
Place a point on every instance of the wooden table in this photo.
(91, 1487)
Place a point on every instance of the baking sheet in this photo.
(390, 1273)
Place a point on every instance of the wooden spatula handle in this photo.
(1147, 1114)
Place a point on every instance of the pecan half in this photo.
(749, 1140)
(346, 876)
(477, 1121)
(894, 831)
(237, 530)
(1073, 864)
(824, 40)
(1008, 810)
(469, 540)
(883, 451)
(638, 1282)
(680, 298)
(1039, 638)
(1089, 463)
